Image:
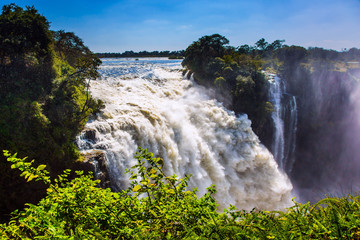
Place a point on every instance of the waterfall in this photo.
(291, 124)
(149, 104)
(284, 118)
(278, 144)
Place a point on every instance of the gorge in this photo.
(149, 104)
(213, 143)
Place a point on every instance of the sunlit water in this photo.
(284, 118)
(149, 104)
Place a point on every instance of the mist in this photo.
(327, 144)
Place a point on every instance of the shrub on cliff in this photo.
(45, 102)
(235, 74)
(44, 85)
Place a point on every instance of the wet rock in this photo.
(95, 161)
(90, 135)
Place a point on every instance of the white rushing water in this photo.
(278, 144)
(149, 104)
(285, 123)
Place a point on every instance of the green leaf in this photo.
(136, 188)
(134, 176)
(41, 167)
(31, 177)
(145, 182)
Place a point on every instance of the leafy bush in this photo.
(157, 206)
(154, 206)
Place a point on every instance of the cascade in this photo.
(149, 104)
(285, 123)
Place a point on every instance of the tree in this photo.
(45, 100)
(84, 65)
(244, 49)
(23, 32)
(261, 44)
(25, 53)
(71, 48)
(277, 44)
(199, 53)
(291, 54)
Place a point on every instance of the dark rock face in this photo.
(95, 161)
(90, 135)
(325, 133)
(15, 191)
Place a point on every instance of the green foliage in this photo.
(291, 54)
(71, 49)
(44, 89)
(331, 218)
(157, 206)
(23, 31)
(200, 53)
(44, 80)
(25, 53)
(27, 170)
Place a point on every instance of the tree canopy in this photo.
(25, 53)
(45, 102)
(235, 74)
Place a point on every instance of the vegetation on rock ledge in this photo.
(235, 75)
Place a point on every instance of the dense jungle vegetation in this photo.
(44, 104)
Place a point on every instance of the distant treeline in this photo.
(170, 54)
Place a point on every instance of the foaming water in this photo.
(149, 104)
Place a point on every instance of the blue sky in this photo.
(120, 25)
